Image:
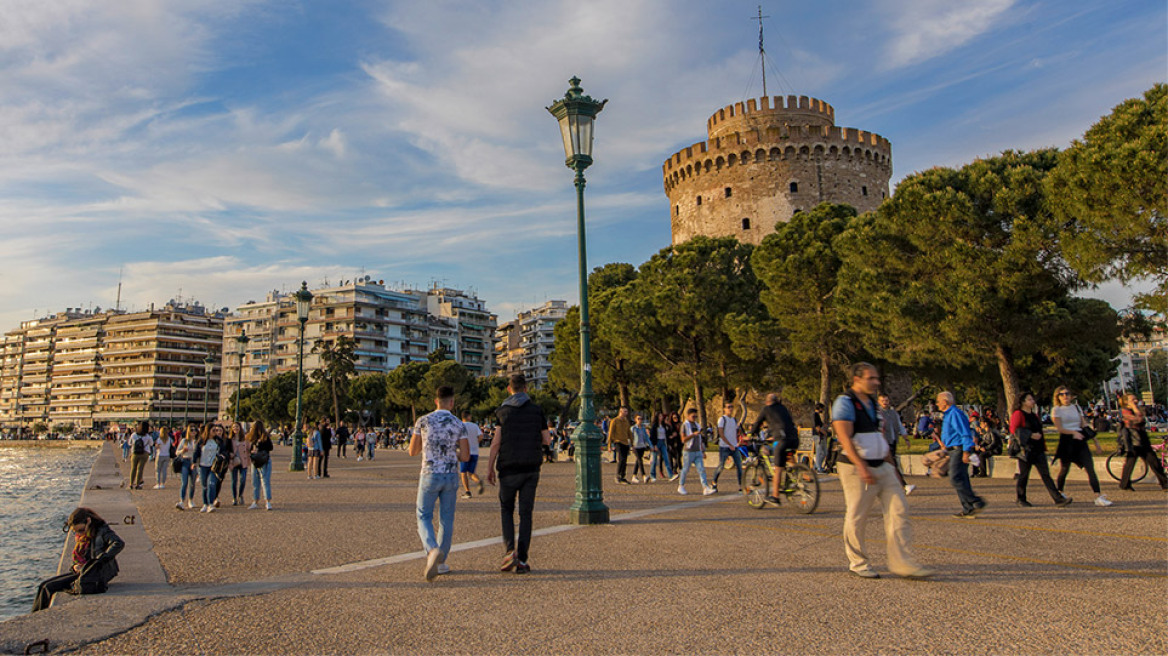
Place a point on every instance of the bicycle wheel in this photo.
(755, 483)
(803, 488)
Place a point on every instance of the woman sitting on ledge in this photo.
(94, 559)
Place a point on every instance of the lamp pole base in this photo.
(588, 506)
(297, 463)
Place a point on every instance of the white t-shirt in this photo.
(1069, 417)
(729, 426)
(689, 428)
(473, 434)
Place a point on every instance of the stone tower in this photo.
(764, 161)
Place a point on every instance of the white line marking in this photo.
(551, 530)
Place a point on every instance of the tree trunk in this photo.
(336, 405)
(700, 400)
(824, 377)
(1010, 383)
(622, 385)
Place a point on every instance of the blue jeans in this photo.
(261, 475)
(442, 488)
(188, 481)
(959, 477)
(822, 444)
(369, 449)
(660, 453)
(238, 482)
(723, 454)
(689, 458)
(210, 485)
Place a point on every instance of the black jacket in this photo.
(103, 552)
(521, 424)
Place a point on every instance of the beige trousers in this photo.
(859, 498)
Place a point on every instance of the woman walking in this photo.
(240, 459)
(163, 452)
(315, 452)
(640, 446)
(659, 463)
(214, 460)
(1135, 422)
(1072, 444)
(260, 456)
(1027, 428)
(184, 451)
(95, 563)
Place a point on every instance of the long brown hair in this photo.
(81, 515)
(256, 433)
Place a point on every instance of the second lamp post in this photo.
(303, 305)
(576, 113)
(243, 339)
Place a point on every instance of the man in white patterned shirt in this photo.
(441, 439)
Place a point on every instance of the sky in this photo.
(214, 150)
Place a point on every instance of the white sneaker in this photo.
(204, 508)
(673, 478)
(443, 568)
(908, 489)
(268, 505)
(253, 506)
(1102, 501)
(651, 480)
(178, 505)
(190, 505)
(161, 486)
(681, 490)
(636, 480)
(210, 509)
(157, 487)
(708, 491)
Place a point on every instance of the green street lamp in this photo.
(303, 300)
(173, 393)
(576, 113)
(208, 368)
(190, 378)
(243, 339)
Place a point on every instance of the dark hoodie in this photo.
(521, 424)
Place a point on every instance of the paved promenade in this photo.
(336, 569)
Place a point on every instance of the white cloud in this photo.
(923, 29)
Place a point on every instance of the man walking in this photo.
(516, 456)
(728, 444)
(441, 439)
(695, 452)
(958, 439)
(326, 445)
(467, 469)
(620, 436)
(867, 476)
(343, 440)
(893, 429)
(822, 438)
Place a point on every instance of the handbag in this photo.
(1088, 432)
(176, 465)
(260, 458)
(219, 467)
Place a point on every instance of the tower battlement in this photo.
(770, 111)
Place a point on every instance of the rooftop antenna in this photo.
(118, 302)
(762, 50)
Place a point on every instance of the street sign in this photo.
(1147, 397)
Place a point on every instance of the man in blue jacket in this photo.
(958, 439)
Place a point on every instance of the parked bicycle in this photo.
(800, 483)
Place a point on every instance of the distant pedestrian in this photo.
(327, 440)
(893, 430)
(866, 475)
(214, 455)
(163, 452)
(359, 443)
(260, 456)
(958, 440)
(1026, 427)
(343, 440)
(1072, 445)
(695, 452)
(620, 437)
(371, 438)
(728, 444)
(640, 446)
(1135, 422)
(95, 559)
(185, 452)
(440, 438)
(515, 460)
(315, 451)
(141, 443)
(240, 461)
(126, 446)
(467, 469)
(822, 438)
(660, 464)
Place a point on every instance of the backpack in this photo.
(139, 446)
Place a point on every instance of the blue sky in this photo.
(219, 149)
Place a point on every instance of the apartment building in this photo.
(471, 322)
(91, 369)
(525, 345)
(508, 352)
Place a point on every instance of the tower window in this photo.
(794, 187)
(864, 190)
(746, 224)
(728, 192)
(699, 201)
(677, 210)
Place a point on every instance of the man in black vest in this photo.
(516, 455)
(867, 476)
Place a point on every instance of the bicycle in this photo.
(800, 482)
(1116, 459)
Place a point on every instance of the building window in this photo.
(728, 192)
(699, 201)
(746, 224)
(677, 210)
(798, 209)
(794, 187)
(864, 190)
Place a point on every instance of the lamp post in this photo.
(576, 113)
(303, 305)
(243, 339)
(173, 393)
(208, 367)
(190, 378)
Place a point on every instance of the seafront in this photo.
(336, 568)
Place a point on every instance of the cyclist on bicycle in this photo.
(786, 436)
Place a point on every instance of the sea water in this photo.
(39, 487)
